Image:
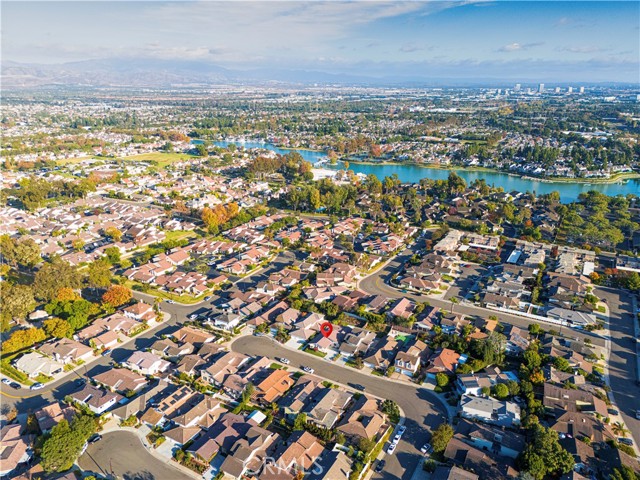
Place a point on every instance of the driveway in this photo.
(123, 454)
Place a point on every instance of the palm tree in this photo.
(454, 301)
(619, 429)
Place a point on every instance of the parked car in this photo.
(308, 369)
(37, 386)
(95, 437)
(170, 301)
(380, 466)
(15, 385)
(6, 381)
(612, 411)
(397, 438)
(207, 298)
(284, 360)
(638, 414)
(392, 448)
(402, 429)
(426, 448)
(357, 386)
(193, 316)
(106, 352)
(80, 381)
(626, 441)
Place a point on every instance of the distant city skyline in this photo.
(519, 41)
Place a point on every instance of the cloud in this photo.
(582, 49)
(410, 47)
(514, 47)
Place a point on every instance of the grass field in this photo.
(163, 159)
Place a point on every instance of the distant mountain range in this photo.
(159, 73)
(117, 72)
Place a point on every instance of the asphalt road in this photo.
(132, 461)
(623, 372)
(422, 409)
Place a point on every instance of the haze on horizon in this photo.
(586, 41)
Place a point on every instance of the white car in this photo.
(308, 369)
(6, 381)
(285, 361)
(397, 438)
(37, 386)
(170, 301)
(392, 448)
(426, 448)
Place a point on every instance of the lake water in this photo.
(412, 174)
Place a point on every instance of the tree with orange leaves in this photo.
(117, 295)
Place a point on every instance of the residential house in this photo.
(97, 399)
(50, 415)
(121, 380)
(298, 452)
(443, 472)
(249, 453)
(408, 360)
(363, 420)
(15, 450)
(273, 387)
(483, 463)
(334, 465)
(65, 350)
(356, 342)
(517, 340)
(558, 400)
(146, 363)
(227, 364)
(497, 440)
(383, 354)
(34, 364)
(326, 406)
(194, 336)
(141, 311)
(221, 436)
(443, 361)
(490, 410)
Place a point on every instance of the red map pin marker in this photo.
(325, 329)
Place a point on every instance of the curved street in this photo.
(421, 407)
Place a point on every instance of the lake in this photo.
(413, 173)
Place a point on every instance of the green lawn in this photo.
(163, 159)
(186, 299)
(180, 234)
(316, 353)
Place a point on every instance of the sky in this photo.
(584, 41)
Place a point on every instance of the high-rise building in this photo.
(541, 88)
(581, 89)
(570, 90)
(517, 87)
(557, 90)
